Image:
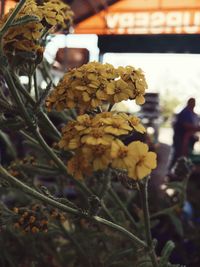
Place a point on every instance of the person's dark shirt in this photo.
(186, 116)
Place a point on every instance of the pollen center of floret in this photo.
(117, 90)
(123, 153)
(97, 133)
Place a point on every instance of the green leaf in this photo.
(34, 169)
(166, 252)
(43, 97)
(144, 261)
(24, 20)
(177, 223)
(116, 256)
(9, 147)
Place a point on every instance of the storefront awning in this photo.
(145, 17)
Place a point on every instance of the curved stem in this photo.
(48, 122)
(41, 115)
(145, 207)
(16, 97)
(28, 137)
(107, 212)
(11, 18)
(78, 247)
(58, 162)
(121, 205)
(25, 188)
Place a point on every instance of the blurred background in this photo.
(162, 37)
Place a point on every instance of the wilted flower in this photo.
(79, 166)
(70, 137)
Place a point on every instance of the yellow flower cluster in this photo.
(96, 145)
(55, 12)
(26, 37)
(95, 84)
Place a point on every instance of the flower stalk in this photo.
(11, 18)
(144, 200)
(122, 206)
(32, 192)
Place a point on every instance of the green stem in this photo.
(27, 136)
(164, 211)
(46, 72)
(145, 207)
(45, 31)
(25, 188)
(48, 122)
(41, 115)
(121, 229)
(57, 160)
(103, 192)
(121, 205)
(29, 83)
(105, 185)
(77, 246)
(35, 86)
(107, 212)
(11, 18)
(22, 90)
(8, 107)
(16, 97)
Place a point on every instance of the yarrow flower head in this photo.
(56, 12)
(95, 84)
(96, 145)
(23, 38)
(96, 139)
(136, 82)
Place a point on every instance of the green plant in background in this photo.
(67, 197)
(168, 106)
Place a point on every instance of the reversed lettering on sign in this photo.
(154, 22)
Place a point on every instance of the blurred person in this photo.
(185, 126)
